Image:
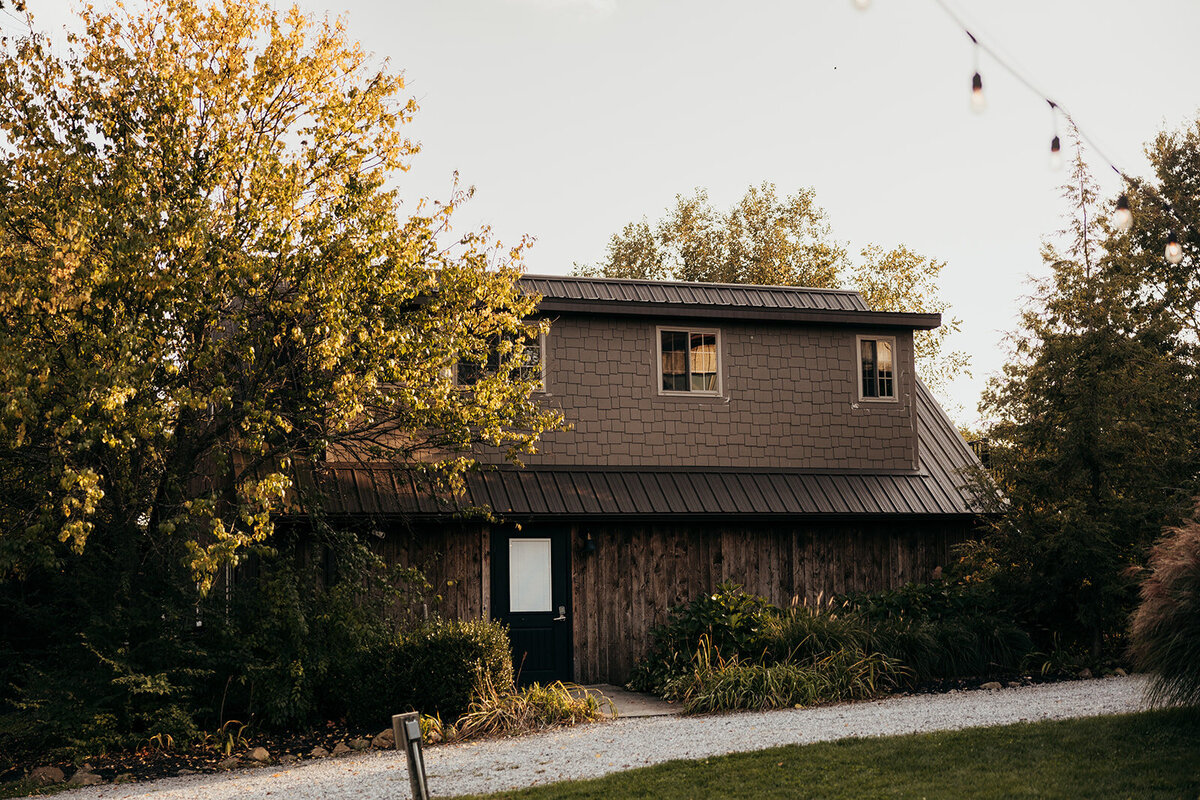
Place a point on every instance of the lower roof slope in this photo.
(938, 488)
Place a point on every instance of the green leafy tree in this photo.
(209, 286)
(1094, 435)
(788, 241)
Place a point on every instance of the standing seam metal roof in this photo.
(692, 294)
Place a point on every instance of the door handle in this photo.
(562, 614)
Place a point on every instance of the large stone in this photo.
(360, 743)
(992, 685)
(259, 754)
(84, 778)
(125, 777)
(341, 749)
(229, 763)
(46, 776)
(384, 740)
(289, 758)
(318, 752)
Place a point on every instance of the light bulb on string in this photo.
(1056, 161)
(1122, 218)
(862, 5)
(978, 102)
(1173, 252)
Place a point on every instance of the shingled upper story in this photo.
(699, 399)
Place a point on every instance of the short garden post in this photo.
(406, 728)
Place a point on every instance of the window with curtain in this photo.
(876, 357)
(689, 361)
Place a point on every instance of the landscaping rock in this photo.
(289, 758)
(992, 685)
(47, 776)
(341, 749)
(1119, 671)
(84, 778)
(229, 763)
(185, 771)
(318, 752)
(124, 777)
(384, 740)
(1085, 674)
(1013, 684)
(360, 744)
(259, 754)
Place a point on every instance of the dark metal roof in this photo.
(571, 287)
(661, 299)
(936, 489)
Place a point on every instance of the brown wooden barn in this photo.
(773, 436)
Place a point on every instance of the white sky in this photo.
(573, 117)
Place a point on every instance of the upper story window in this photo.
(877, 368)
(530, 365)
(689, 361)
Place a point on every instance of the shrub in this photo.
(434, 669)
(1166, 626)
(732, 620)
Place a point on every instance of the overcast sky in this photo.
(573, 117)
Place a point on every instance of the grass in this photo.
(1147, 755)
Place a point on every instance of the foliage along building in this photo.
(777, 437)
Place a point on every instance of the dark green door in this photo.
(531, 593)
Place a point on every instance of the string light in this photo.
(1056, 160)
(978, 101)
(862, 5)
(1173, 252)
(1122, 218)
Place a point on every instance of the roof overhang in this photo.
(863, 319)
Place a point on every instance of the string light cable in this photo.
(1122, 217)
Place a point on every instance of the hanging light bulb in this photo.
(1056, 161)
(1174, 252)
(978, 103)
(1122, 218)
(862, 5)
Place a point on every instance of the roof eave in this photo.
(873, 319)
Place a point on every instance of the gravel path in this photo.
(588, 751)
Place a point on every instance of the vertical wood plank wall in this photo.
(639, 571)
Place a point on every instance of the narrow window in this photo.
(689, 361)
(878, 370)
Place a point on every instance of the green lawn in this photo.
(1148, 755)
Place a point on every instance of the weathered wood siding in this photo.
(455, 559)
(639, 572)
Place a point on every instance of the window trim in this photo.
(658, 376)
(874, 337)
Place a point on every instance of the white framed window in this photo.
(530, 364)
(877, 368)
(689, 360)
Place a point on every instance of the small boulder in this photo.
(46, 776)
(84, 778)
(125, 777)
(340, 749)
(185, 771)
(1120, 672)
(289, 758)
(1013, 684)
(384, 740)
(259, 754)
(1085, 674)
(318, 752)
(992, 685)
(360, 743)
(229, 763)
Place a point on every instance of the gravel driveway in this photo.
(588, 751)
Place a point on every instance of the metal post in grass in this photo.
(406, 728)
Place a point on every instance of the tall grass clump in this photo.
(500, 710)
(1166, 626)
